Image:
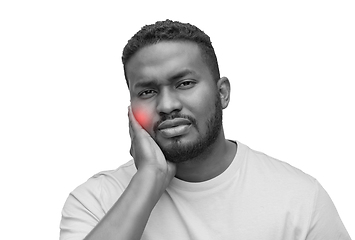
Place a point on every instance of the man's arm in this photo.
(129, 215)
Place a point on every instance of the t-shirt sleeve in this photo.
(82, 211)
(89, 203)
(325, 222)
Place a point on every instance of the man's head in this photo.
(169, 31)
(175, 95)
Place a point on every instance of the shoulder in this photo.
(282, 186)
(103, 188)
(108, 181)
(87, 204)
(277, 174)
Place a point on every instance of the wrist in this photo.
(153, 178)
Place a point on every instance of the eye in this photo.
(186, 84)
(147, 93)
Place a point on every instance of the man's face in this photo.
(174, 98)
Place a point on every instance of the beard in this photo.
(178, 152)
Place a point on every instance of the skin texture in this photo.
(170, 79)
(142, 117)
(163, 96)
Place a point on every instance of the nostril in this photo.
(168, 103)
(171, 115)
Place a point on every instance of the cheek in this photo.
(142, 118)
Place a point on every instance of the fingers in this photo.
(132, 120)
(131, 132)
(135, 131)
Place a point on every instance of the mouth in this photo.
(174, 127)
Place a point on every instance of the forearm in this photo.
(128, 216)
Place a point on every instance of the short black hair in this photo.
(172, 31)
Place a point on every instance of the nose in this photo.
(168, 102)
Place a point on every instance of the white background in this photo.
(63, 97)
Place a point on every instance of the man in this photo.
(186, 181)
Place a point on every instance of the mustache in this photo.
(173, 116)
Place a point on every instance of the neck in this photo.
(209, 164)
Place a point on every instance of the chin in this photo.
(179, 150)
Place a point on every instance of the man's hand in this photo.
(128, 217)
(146, 153)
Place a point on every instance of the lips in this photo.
(173, 123)
(174, 127)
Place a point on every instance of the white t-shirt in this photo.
(256, 197)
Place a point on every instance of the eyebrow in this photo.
(182, 74)
(178, 75)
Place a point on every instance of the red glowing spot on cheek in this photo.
(142, 117)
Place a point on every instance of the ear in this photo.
(224, 90)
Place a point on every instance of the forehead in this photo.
(158, 61)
